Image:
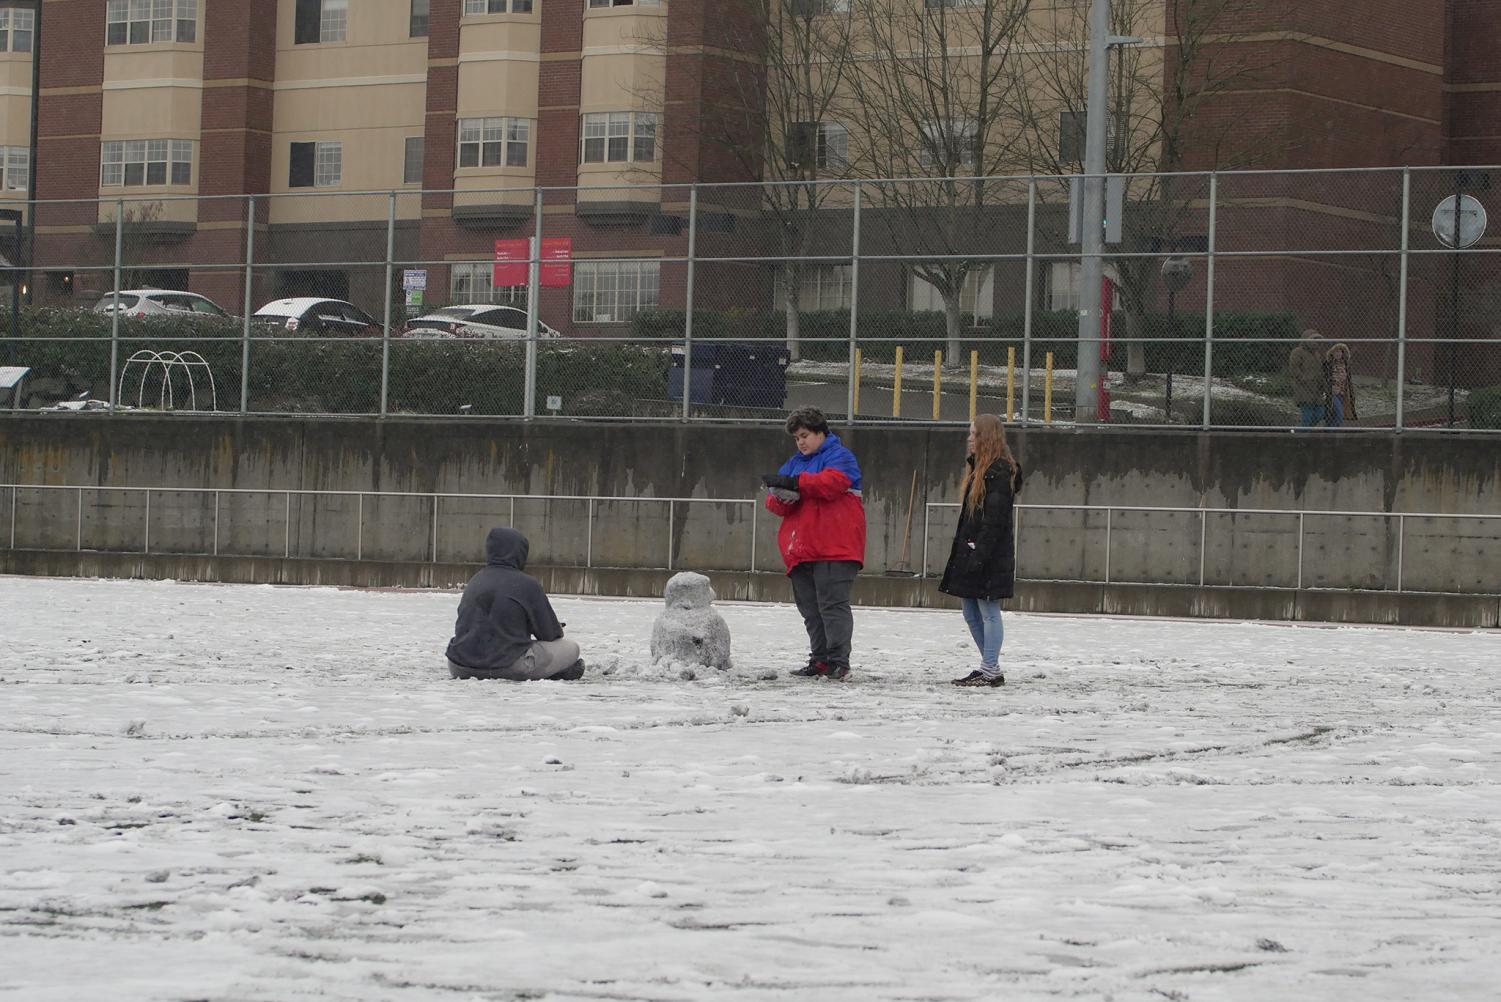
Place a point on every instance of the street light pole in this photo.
(1091, 261)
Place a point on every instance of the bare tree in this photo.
(771, 114)
(138, 241)
(1183, 59)
(935, 90)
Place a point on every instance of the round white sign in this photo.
(1471, 222)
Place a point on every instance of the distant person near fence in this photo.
(1341, 387)
(1308, 369)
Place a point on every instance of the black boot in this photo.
(812, 669)
(571, 673)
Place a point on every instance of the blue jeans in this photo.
(1336, 417)
(983, 617)
(1312, 414)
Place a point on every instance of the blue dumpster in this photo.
(731, 373)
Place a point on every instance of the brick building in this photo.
(444, 114)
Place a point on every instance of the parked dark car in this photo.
(306, 315)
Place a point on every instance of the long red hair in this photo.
(990, 447)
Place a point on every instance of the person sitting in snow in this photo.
(822, 537)
(506, 627)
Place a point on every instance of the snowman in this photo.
(689, 630)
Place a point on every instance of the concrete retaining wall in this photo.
(1414, 472)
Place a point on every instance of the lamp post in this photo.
(1176, 273)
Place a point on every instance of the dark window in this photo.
(419, 18)
(309, 27)
(304, 159)
(802, 138)
(411, 169)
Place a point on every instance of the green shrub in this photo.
(308, 374)
(1483, 407)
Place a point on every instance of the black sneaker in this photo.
(812, 669)
(978, 679)
(836, 672)
(571, 673)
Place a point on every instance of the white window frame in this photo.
(821, 287)
(17, 21)
(150, 21)
(479, 8)
(473, 282)
(120, 158)
(976, 298)
(614, 290)
(328, 164)
(510, 136)
(607, 4)
(15, 168)
(1061, 290)
(625, 132)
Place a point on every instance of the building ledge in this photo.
(161, 231)
(488, 216)
(617, 213)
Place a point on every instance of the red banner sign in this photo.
(513, 258)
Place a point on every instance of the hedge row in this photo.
(1247, 342)
(309, 374)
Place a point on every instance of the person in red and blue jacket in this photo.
(816, 493)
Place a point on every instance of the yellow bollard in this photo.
(896, 386)
(974, 383)
(937, 381)
(857, 381)
(1047, 392)
(1010, 384)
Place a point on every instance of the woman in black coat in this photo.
(982, 565)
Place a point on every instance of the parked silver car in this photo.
(159, 302)
(474, 320)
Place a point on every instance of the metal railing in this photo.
(354, 548)
(1217, 275)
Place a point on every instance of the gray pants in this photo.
(821, 589)
(544, 659)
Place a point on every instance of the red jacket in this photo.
(826, 523)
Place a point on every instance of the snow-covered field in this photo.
(242, 793)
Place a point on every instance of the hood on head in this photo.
(506, 548)
(1312, 335)
(1340, 348)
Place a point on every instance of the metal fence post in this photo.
(1406, 243)
(1214, 191)
(114, 320)
(688, 302)
(533, 293)
(854, 305)
(385, 336)
(249, 306)
(1027, 301)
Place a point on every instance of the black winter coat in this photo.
(986, 569)
(502, 609)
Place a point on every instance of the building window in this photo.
(418, 25)
(826, 143)
(493, 142)
(138, 22)
(619, 137)
(812, 8)
(820, 287)
(474, 283)
(622, 3)
(497, 7)
(136, 163)
(948, 148)
(606, 292)
(15, 167)
(316, 165)
(321, 21)
(411, 164)
(17, 26)
(976, 297)
(1061, 285)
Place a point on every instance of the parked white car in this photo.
(474, 320)
(159, 302)
(310, 315)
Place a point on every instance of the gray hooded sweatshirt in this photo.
(502, 608)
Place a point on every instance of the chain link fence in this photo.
(876, 300)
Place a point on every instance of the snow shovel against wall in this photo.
(903, 567)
